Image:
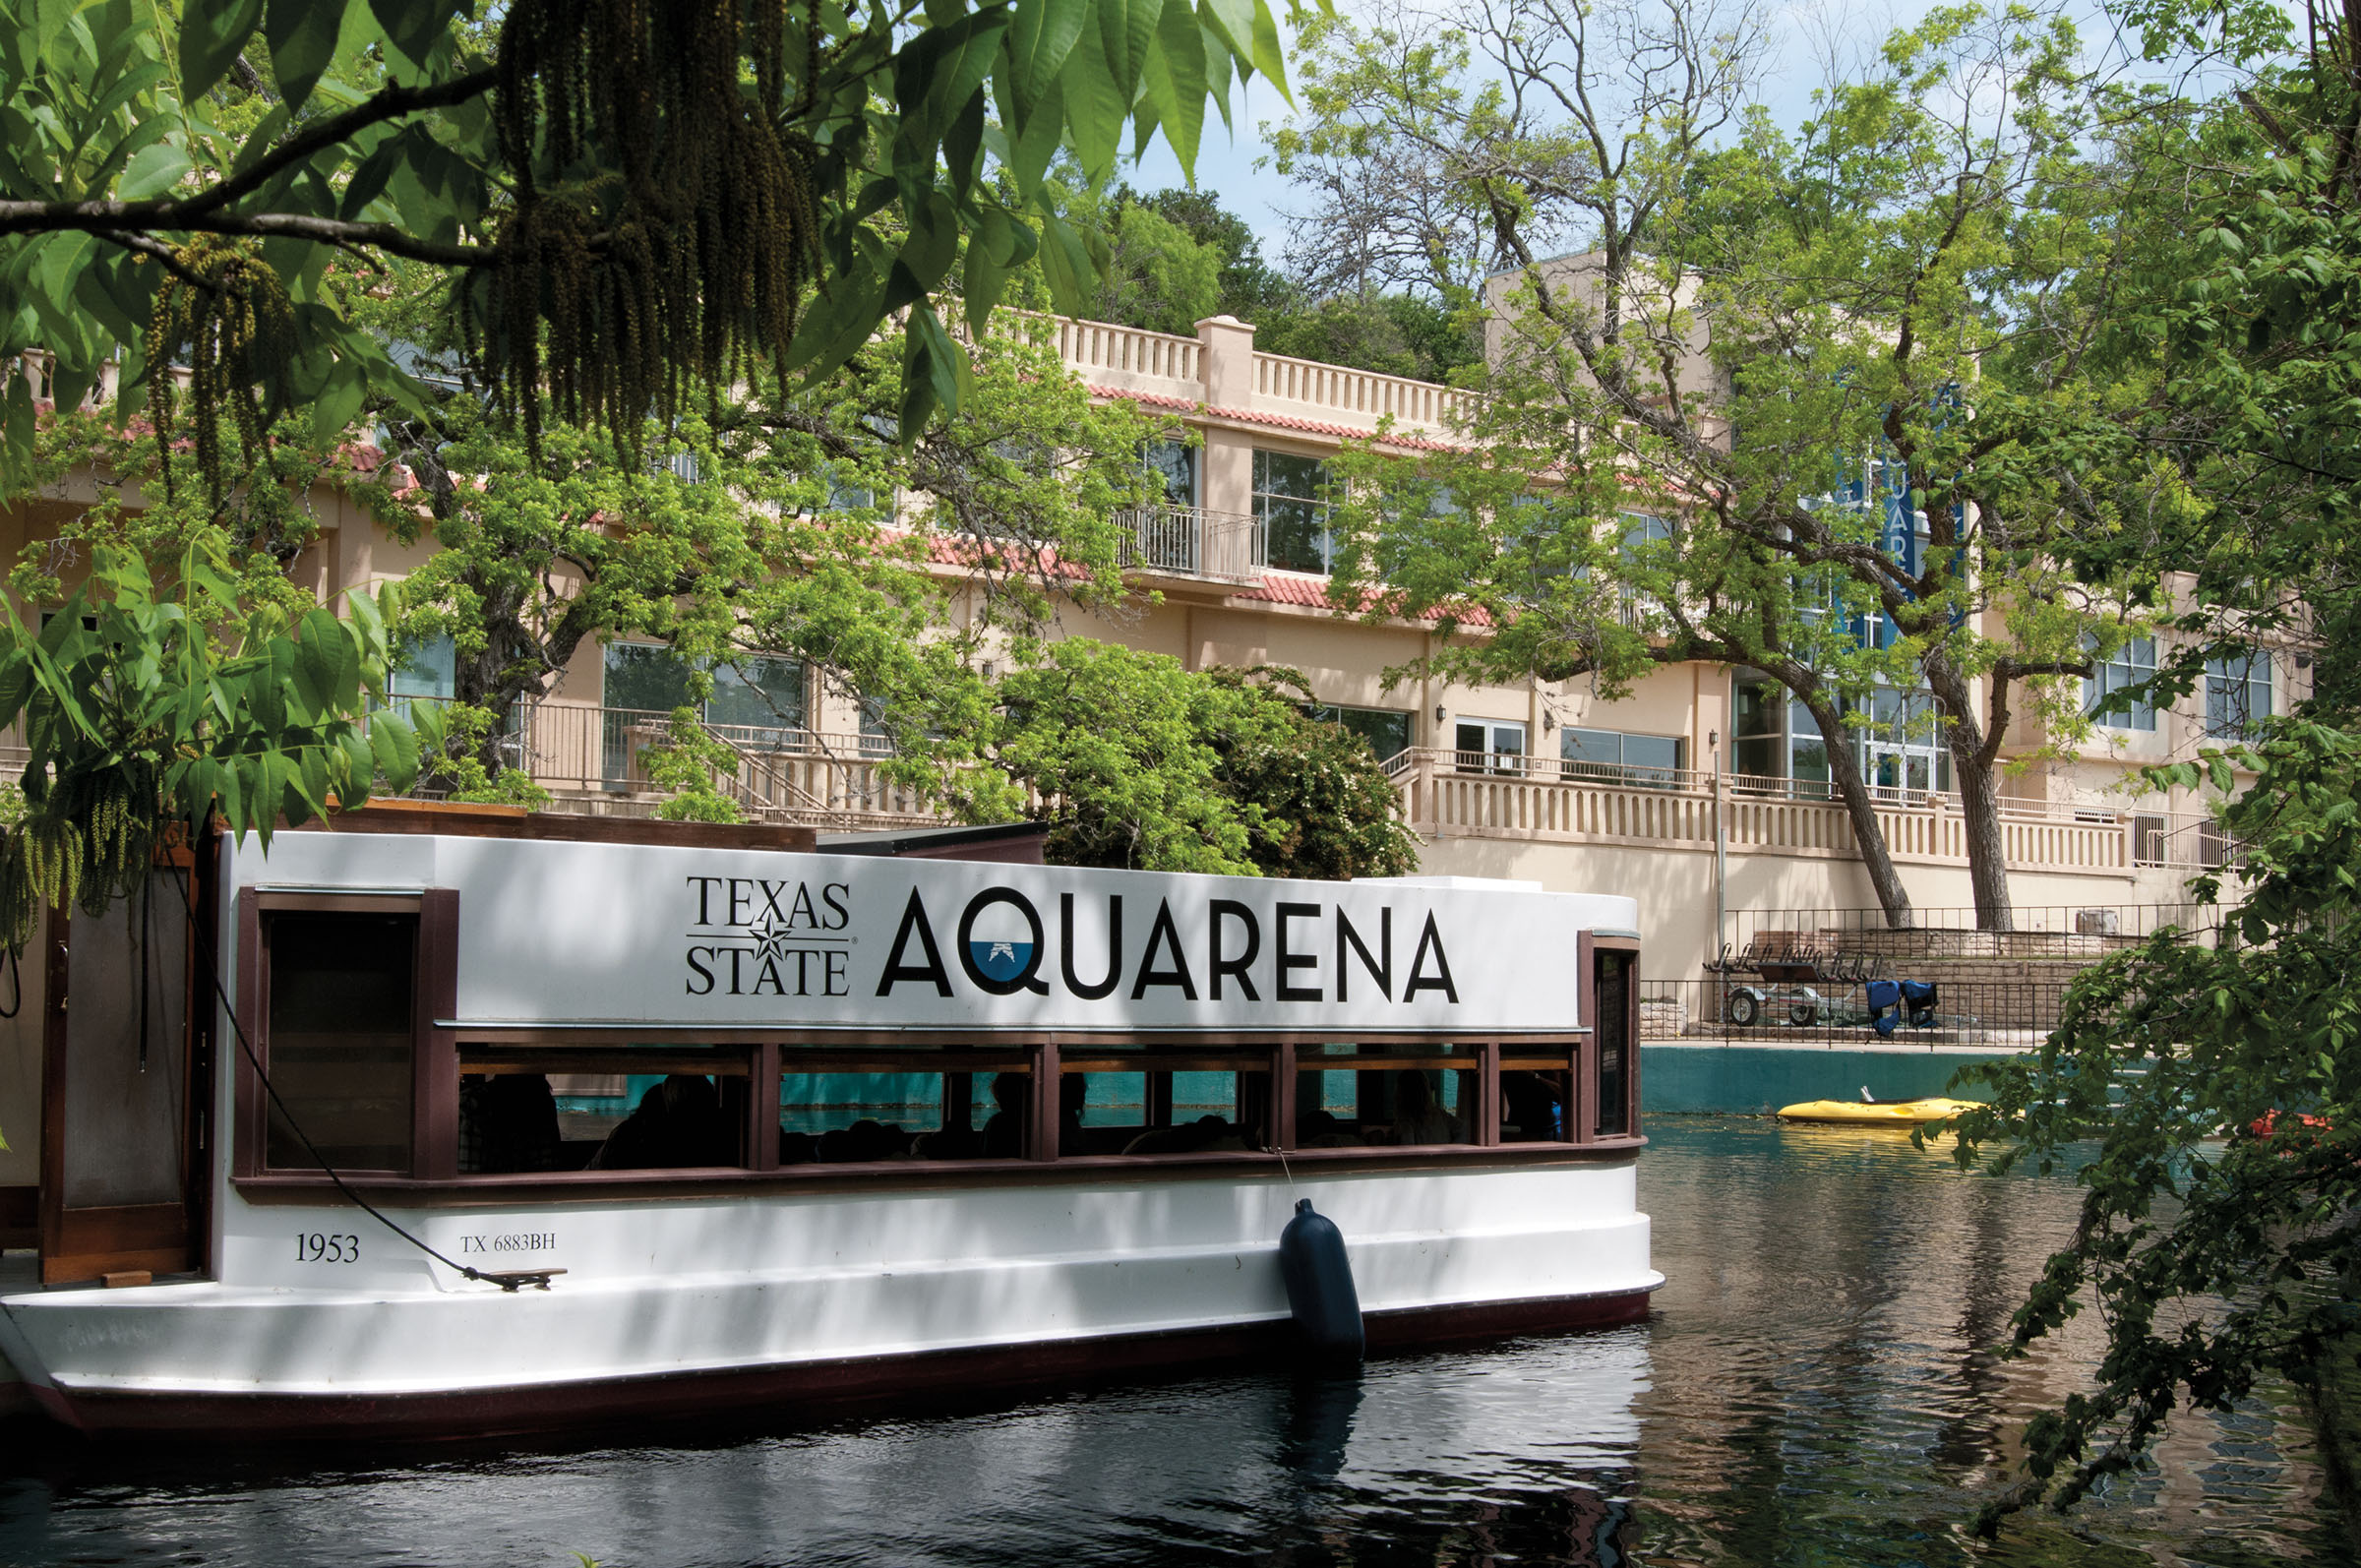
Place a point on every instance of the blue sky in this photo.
(1225, 164)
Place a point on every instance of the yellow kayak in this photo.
(1879, 1113)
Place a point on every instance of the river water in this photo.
(1813, 1389)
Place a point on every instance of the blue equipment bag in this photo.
(1885, 1004)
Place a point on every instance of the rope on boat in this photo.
(510, 1280)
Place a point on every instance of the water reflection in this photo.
(1815, 1388)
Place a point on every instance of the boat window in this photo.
(1396, 1093)
(340, 1043)
(1537, 1100)
(570, 1106)
(527, 1109)
(856, 1108)
(1127, 1098)
(1611, 980)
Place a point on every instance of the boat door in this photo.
(119, 1179)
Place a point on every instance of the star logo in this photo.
(772, 937)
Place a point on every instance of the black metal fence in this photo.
(2080, 931)
(1833, 1010)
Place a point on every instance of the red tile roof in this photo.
(1312, 592)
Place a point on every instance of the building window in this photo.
(1653, 761)
(1490, 745)
(1759, 728)
(1639, 528)
(765, 698)
(1902, 746)
(757, 702)
(340, 1040)
(1775, 740)
(2132, 665)
(1175, 466)
(848, 491)
(1291, 503)
(1386, 731)
(749, 690)
(2237, 694)
(876, 737)
(429, 669)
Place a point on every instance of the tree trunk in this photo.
(1868, 834)
(1980, 801)
(480, 685)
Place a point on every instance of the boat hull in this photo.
(1876, 1114)
(841, 1299)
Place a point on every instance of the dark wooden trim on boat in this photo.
(246, 1136)
(1582, 1089)
(458, 821)
(435, 1050)
(793, 1040)
(204, 1135)
(59, 932)
(1599, 944)
(91, 1241)
(917, 1176)
(1042, 1118)
(794, 1390)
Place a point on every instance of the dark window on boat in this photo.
(1612, 990)
(341, 1042)
(1398, 1093)
(1537, 1100)
(1117, 1096)
(532, 1107)
(859, 1107)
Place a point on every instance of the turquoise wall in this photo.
(1698, 1080)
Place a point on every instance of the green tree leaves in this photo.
(2222, 1072)
(126, 137)
(144, 710)
(1137, 763)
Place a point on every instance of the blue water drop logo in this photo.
(1000, 943)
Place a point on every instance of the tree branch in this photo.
(118, 221)
(202, 213)
(388, 103)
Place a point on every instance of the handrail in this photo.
(1191, 541)
(1548, 799)
(1370, 394)
(1127, 350)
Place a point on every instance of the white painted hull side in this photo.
(676, 1289)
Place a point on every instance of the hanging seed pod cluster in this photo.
(88, 840)
(688, 259)
(226, 311)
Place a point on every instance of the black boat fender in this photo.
(1319, 1286)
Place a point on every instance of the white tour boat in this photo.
(451, 1122)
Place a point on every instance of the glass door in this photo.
(1489, 746)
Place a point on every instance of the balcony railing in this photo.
(1191, 542)
(595, 758)
(1491, 795)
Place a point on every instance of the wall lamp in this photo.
(1438, 713)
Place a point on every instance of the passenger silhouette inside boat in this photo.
(1317, 1128)
(677, 1123)
(1416, 1117)
(865, 1141)
(509, 1123)
(1004, 1132)
(1532, 1108)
